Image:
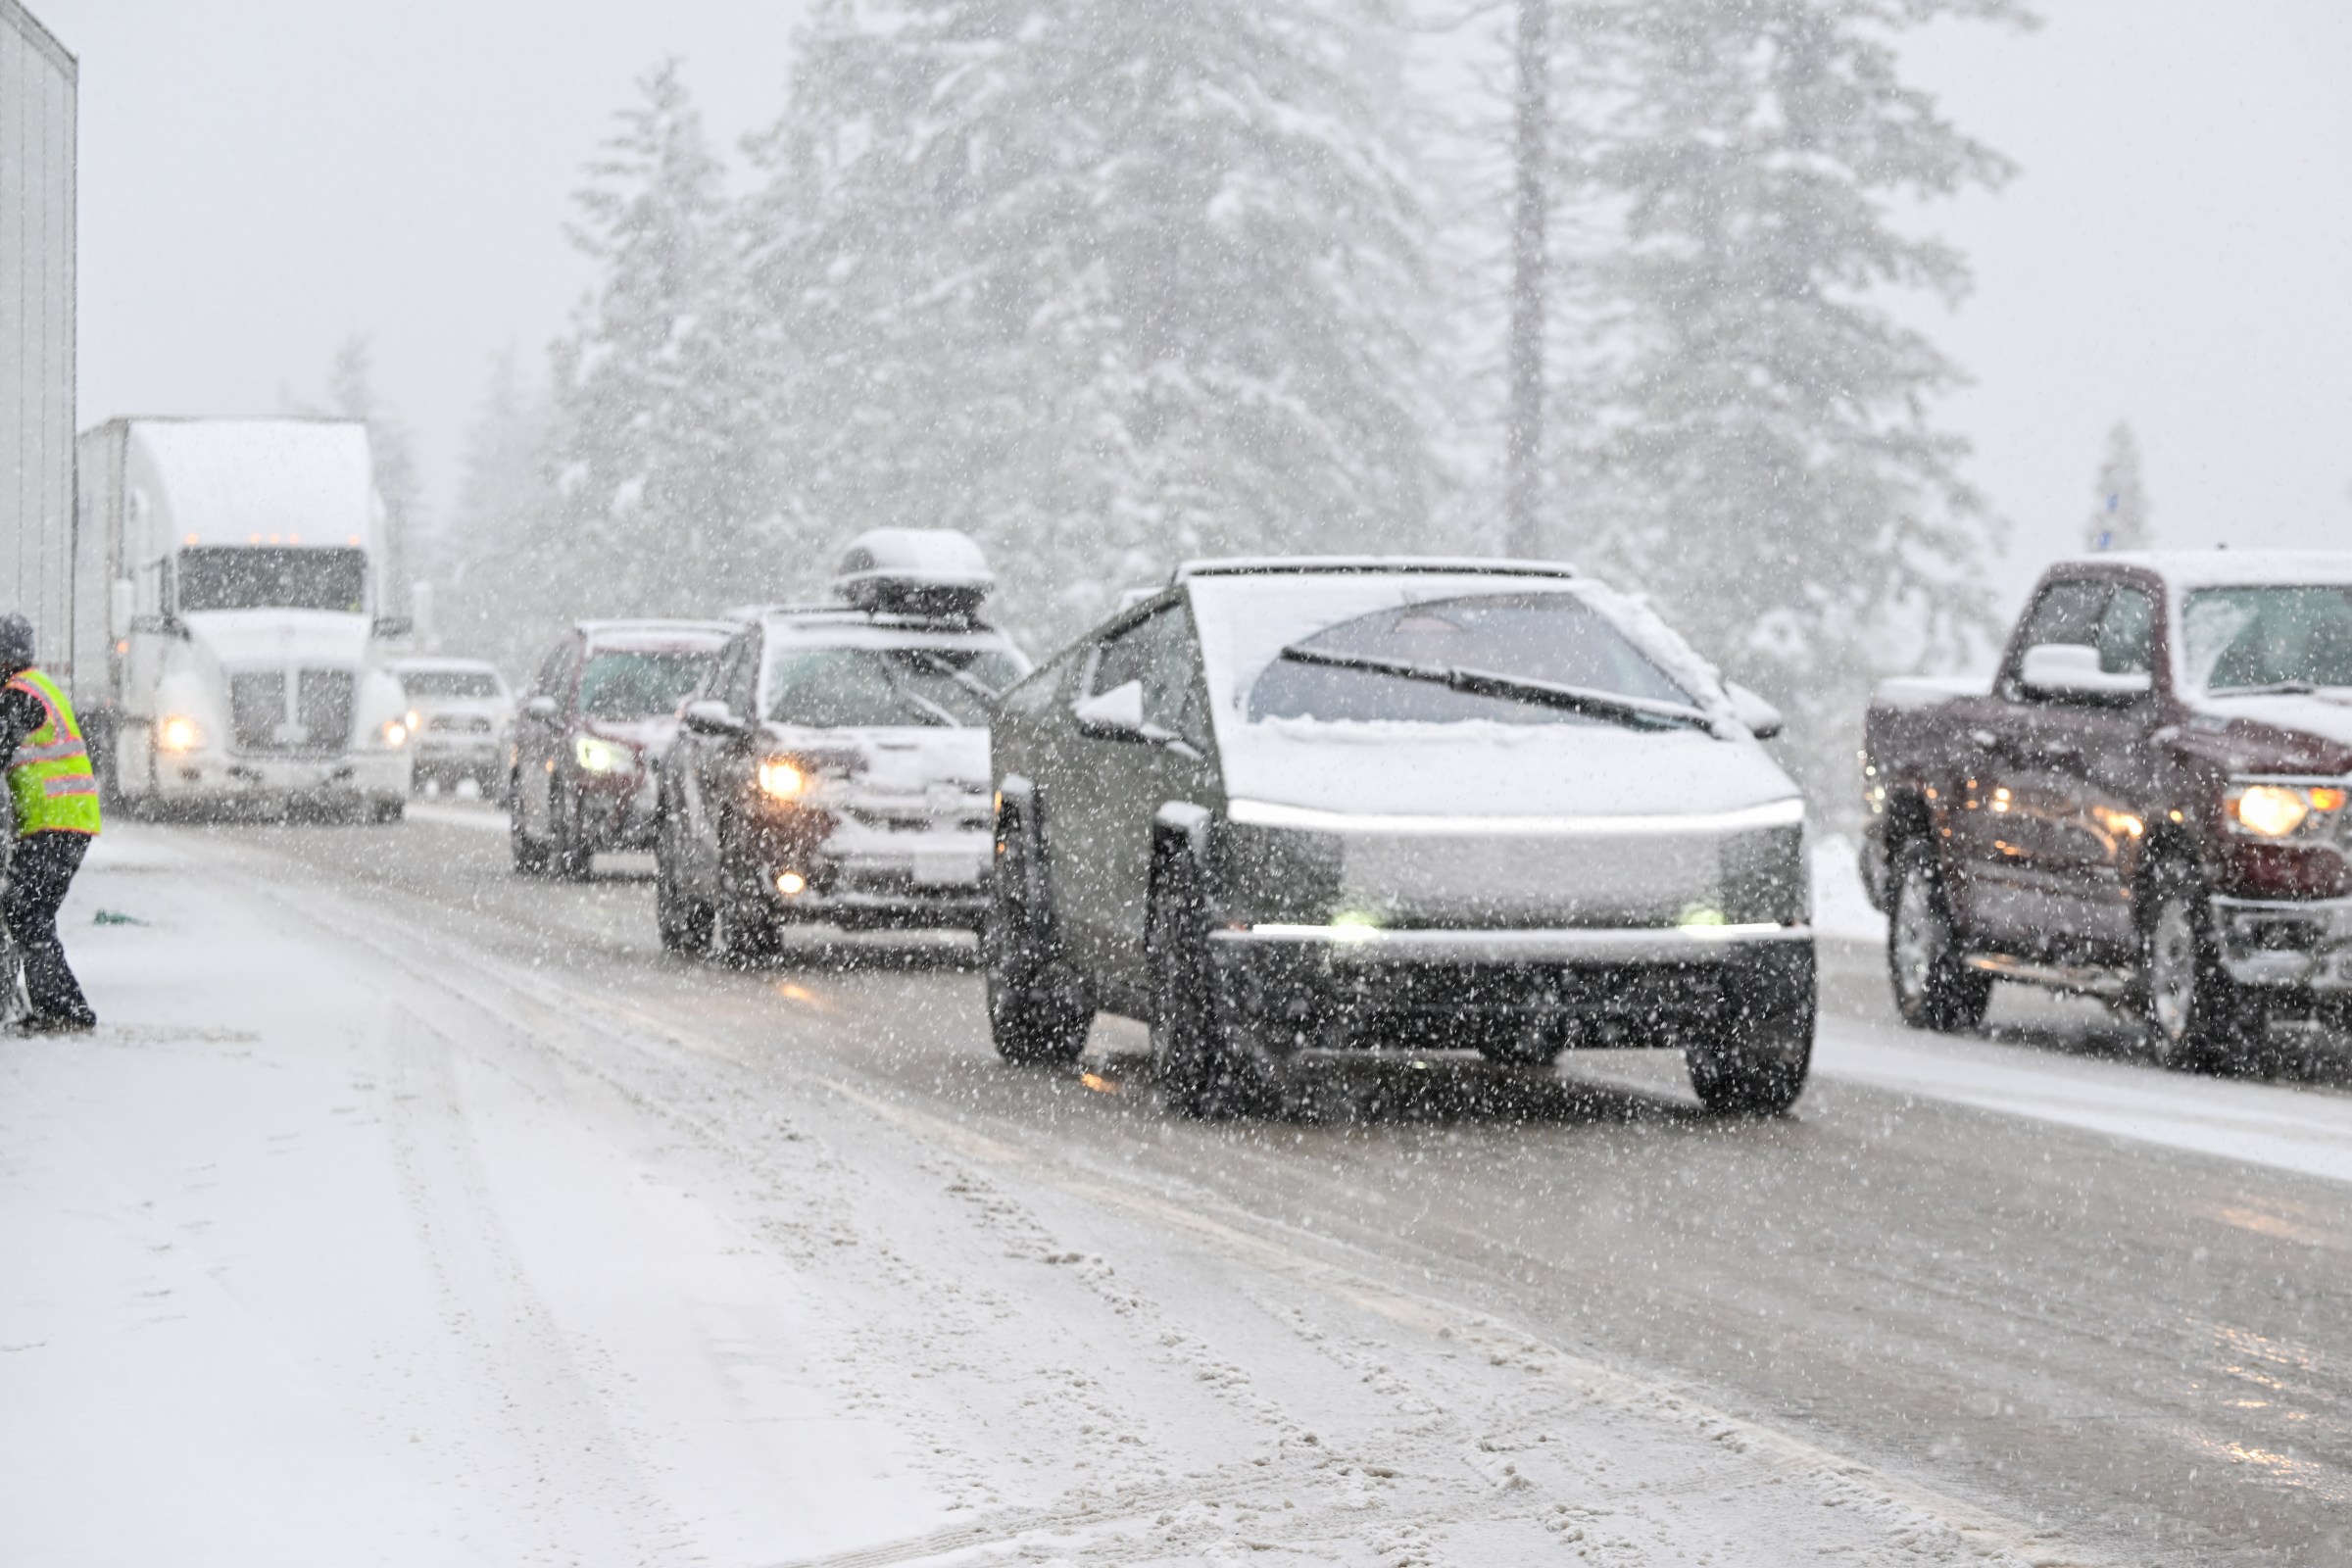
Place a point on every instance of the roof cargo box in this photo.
(914, 571)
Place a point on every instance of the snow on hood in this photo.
(245, 639)
(901, 760)
(2326, 715)
(1484, 768)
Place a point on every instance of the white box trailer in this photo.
(226, 636)
(36, 329)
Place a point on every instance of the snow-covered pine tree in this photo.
(1770, 467)
(657, 446)
(2120, 519)
(351, 394)
(1105, 283)
(485, 558)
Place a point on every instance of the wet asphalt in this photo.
(2146, 1348)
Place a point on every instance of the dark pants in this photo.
(38, 875)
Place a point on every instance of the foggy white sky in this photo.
(262, 177)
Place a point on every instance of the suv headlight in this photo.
(595, 755)
(2277, 812)
(783, 779)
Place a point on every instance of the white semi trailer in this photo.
(226, 645)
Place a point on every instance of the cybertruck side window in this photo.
(1156, 650)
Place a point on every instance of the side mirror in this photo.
(2072, 671)
(159, 626)
(709, 716)
(1763, 721)
(388, 627)
(542, 709)
(1116, 715)
(122, 606)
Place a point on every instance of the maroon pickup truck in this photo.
(2148, 805)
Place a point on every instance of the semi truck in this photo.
(36, 329)
(226, 646)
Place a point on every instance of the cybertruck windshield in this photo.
(271, 578)
(1516, 658)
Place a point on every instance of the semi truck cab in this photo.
(236, 562)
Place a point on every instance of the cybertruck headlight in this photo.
(2277, 813)
(178, 733)
(595, 755)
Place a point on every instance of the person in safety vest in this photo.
(54, 796)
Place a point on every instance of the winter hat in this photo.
(15, 643)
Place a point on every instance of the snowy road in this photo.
(409, 1213)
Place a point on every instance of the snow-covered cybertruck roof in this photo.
(1259, 565)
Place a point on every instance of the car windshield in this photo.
(449, 683)
(262, 577)
(2268, 639)
(625, 684)
(886, 688)
(1505, 658)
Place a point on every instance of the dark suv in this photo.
(1285, 809)
(590, 733)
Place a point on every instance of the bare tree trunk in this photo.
(1523, 440)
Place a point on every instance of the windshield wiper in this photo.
(2269, 688)
(963, 678)
(1520, 688)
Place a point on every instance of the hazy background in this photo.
(261, 179)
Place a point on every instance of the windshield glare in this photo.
(269, 577)
(459, 683)
(1554, 638)
(886, 688)
(625, 685)
(2237, 638)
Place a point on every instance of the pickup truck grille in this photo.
(458, 724)
(319, 727)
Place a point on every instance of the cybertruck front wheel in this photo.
(1037, 1012)
(1754, 1055)
(1209, 1064)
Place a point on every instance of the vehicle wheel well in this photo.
(1907, 818)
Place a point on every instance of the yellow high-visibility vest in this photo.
(49, 779)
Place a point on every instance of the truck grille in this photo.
(319, 726)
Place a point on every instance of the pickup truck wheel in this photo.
(1755, 1059)
(1036, 1011)
(2197, 1018)
(1932, 988)
(1207, 1066)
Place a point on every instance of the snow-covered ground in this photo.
(340, 1243)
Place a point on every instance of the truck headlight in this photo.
(2284, 810)
(783, 779)
(599, 756)
(393, 733)
(177, 733)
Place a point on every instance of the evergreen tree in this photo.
(657, 447)
(488, 557)
(1767, 463)
(351, 394)
(2120, 519)
(1106, 285)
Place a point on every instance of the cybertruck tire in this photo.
(1037, 1012)
(1755, 1056)
(1208, 1066)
